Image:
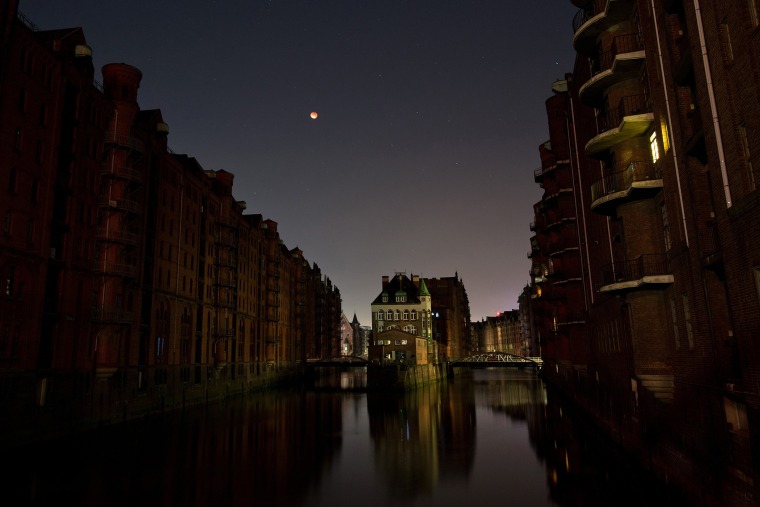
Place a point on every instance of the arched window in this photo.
(390, 315)
(380, 315)
(406, 314)
(414, 314)
(413, 330)
(398, 314)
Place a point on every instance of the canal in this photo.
(489, 437)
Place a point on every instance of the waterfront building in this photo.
(131, 279)
(402, 322)
(645, 278)
(360, 337)
(501, 333)
(451, 311)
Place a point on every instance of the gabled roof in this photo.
(403, 286)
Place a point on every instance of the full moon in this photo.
(314, 115)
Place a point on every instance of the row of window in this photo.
(388, 342)
(399, 315)
(409, 328)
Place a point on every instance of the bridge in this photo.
(498, 360)
(337, 361)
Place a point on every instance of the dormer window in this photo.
(400, 299)
(385, 298)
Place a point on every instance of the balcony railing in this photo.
(118, 236)
(628, 106)
(622, 181)
(128, 205)
(119, 171)
(114, 268)
(585, 14)
(644, 270)
(631, 118)
(593, 20)
(622, 44)
(124, 141)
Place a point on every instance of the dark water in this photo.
(494, 437)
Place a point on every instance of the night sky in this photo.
(430, 117)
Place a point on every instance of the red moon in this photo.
(314, 115)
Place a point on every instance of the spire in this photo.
(423, 288)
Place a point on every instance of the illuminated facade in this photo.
(402, 327)
(646, 259)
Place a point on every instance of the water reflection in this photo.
(494, 437)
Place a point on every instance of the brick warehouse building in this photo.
(451, 309)
(131, 279)
(646, 257)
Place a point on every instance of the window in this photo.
(728, 50)
(398, 315)
(414, 314)
(380, 315)
(385, 298)
(736, 415)
(406, 314)
(687, 320)
(742, 131)
(674, 318)
(654, 147)
(665, 226)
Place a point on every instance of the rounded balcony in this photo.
(621, 62)
(592, 21)
(640, 180)
(646, 272)
(630, 119)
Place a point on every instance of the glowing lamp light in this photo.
(314, 115)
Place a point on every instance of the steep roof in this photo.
(402, 285)
(423, 288)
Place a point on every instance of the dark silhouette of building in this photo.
(646, 260)
(451, 311)
(131, 279)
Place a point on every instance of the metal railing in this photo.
(636, 269)
(628, 106)
(621, 44)
(126, 141)
(622, 180)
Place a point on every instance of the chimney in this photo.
(416, 280)
(385, 282)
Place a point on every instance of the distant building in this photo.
(501, 333)
(451, 316)
(346, 336)
(360, 337)
(402, 327)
